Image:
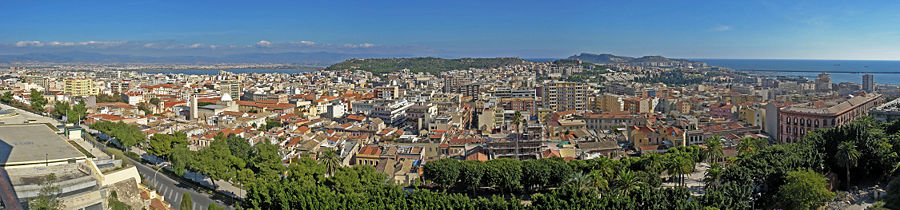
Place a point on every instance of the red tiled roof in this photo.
(370, 150)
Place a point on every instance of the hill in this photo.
(642, 61)
(601, 58)
(425, 64)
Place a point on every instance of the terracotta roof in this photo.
(370, 150)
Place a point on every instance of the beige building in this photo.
(564, 96)
(231, 87)
(80, 87)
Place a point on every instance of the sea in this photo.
(883, 71)
(236, 71)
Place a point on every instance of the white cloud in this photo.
(29, 44)
(263, 43)
(197, 45)
(721, 28)
(363, 45)
(307, 43)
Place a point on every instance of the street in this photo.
(172, 190)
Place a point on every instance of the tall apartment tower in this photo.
(80, 87)
(231, 87)
(868, 83)
(564, 96)
(823, 82)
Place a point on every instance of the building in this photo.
(513, 93)
(823, 82)
(887, 112)
(563, 96)
(387, 92)
(868, 83)
(611, 120)
(608, 103)
(392, 112)
(231, 87)
(796, 120)
(30, 152)
(80, 87)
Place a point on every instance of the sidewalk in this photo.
(96, 151)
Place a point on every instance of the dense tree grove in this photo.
(761, 176)
(127, 134)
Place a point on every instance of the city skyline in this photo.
(696, 29)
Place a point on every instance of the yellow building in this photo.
(752, 116)
(80, 87)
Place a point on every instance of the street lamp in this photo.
(157, 172)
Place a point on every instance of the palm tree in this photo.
(626, 182)
(579, 180)
(747, 145)
(847, 155)
(330, 160)
(713, 175)
(714, 149)
(517, 119)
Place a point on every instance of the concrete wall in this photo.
(121, 175)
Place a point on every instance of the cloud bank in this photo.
(171, 47)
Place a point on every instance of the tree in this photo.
(47, 197)
(181, 157)
(154, 101)
(78, 112)
(161, 145)
(37, 101)
(7, 97)
(443, 172)
(330, 159)
(892, 198)
(627, 182)
(213, 206)
(713, 175)
(804, 189)
(60, 108)
(847, 155)
(714, 150)
(186, 202)
(470, 175)
(517, 120)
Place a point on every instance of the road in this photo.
(173, 190)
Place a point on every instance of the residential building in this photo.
(796, 120)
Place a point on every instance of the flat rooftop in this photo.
(32, 144)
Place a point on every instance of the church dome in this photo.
(226, 97)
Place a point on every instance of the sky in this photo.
(768, 29)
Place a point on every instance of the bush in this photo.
(133, 155)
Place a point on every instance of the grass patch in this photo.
(116, 153)
(115, 204)
(133, 155)
(52, 127)
(81, 149)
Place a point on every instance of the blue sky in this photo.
(688, 29)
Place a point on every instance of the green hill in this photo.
(426, 64)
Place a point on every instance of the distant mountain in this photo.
(601, 58)
(426, 64)
(305, 58)
(643, 61)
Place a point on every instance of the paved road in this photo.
(173, 190)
